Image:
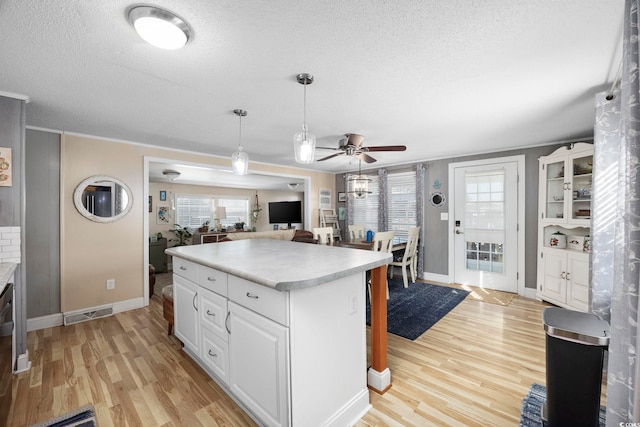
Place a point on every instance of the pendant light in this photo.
(358, 185)
(160, 27)
(304, 143)
(240, 159)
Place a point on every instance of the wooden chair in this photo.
(324, 235)
(382, 242)
(356, 232)
(409, 258)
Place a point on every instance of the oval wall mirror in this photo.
(102, 198)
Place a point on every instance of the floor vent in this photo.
(77, 316)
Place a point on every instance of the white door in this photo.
(485, 223)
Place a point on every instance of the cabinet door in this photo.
(553, 283)
(578, 281)
(553, 190)
(185, 296)
(579, 196)
(259, 364)
(215, 354)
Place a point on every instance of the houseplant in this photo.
(205, 227)
(183, 234)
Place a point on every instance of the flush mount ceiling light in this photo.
(240, 159)
(160, 27)
(293, 185)
(358, 185)
(304, 143)
(172, 175)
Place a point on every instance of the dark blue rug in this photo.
(83, 417)
(413, 310)
(532, 404)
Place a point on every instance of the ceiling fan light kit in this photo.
(159, 27)
(304, 142)
(240, 159)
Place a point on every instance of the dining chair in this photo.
(382, 242)
(356, 232)
(323, 234)
(409, 258)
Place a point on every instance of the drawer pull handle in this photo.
(210, 313)
(182, 267)
(568, 276)
(563, 275)
(194, 301)
(252, 296)
(226, 323)
(211, 279)
(212, 354)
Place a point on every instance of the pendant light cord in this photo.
(240, 132)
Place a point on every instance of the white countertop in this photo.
(6, 271)
(282, 265)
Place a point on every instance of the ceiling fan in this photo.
(352, 146)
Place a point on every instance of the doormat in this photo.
(413, 310)
(82, 417)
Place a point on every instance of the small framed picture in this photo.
(150, 206)
(342, 197)
(275, 226)
(163, 196)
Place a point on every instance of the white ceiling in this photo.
(445, 78)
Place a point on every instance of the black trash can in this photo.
(575, 347)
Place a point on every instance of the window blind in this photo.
(365, 211)
(401, 202)
(192, 210)
(237, 210)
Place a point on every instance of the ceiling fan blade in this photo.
(329, 157)
(385, 148)
(328, 148)
(355, 139)
(365, 157)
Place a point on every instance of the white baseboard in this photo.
(57, 319)
(530, 293)
(442, 278)
(22, 362)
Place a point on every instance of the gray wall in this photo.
(436, 237)
(42, 223)
(12, 125)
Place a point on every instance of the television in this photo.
(285, 212)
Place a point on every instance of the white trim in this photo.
(23, 363)
(520, 160)
(18, 96)
(531, 293)
(130, 304)
(44, 322)
(379, 381)
(442, 278)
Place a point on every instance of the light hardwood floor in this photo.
(472, 368)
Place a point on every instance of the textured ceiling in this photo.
(445, 78)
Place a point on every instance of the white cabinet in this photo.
(258, 349)
(565, 179)
(214, 347)
(185, 308)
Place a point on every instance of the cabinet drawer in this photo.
(213, 312)
(268, 302)
(215, 355)
(212, 279)
(186, 269)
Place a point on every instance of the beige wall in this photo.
(93, 252)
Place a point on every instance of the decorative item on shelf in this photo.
(576, 243)
(558, 198)
(239, 225)
(584, 213)
(205, 227)
(304, 142)
(558, 240)
(584, 193)
(240, 159)
(587, 244)
(583, 168)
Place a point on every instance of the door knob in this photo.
(459, 232)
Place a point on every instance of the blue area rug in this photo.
(82, 417)
(413, 310)
(532, 404)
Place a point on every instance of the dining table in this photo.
(378, 375)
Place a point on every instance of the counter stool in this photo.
(167, 306)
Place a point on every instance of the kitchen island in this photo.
(281, 326)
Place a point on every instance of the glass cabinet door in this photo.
(582, 168)
(554, 206)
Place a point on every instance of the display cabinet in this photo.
(565, 182)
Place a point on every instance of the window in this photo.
(237, 210)
(401, 204)
(193, 209)
(365, 211)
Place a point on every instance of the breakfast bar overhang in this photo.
(323, 285)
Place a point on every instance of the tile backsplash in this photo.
(10, 244)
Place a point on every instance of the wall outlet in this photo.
(111, 284)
